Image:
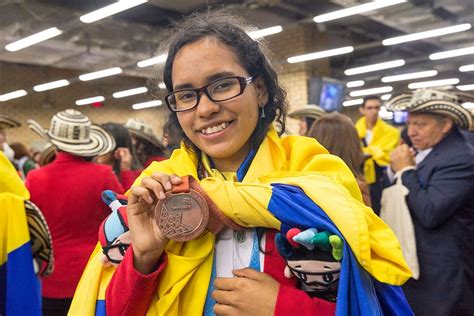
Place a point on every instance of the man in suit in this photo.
(438, 171)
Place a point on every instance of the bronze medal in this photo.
(182, 216)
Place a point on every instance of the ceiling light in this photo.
(321, 54)
(374, 67)
(359, 93)
(90, 100)
(12, 95)
(426, 34)
(51, 85)
(162, 85)
(466, 68)
(412, 75)
(144, 105)
(385, 97)
(33, 39)
(466, 87)
(129, 92)
(468, 105)
(452, 53)
(110, 10)
(434, 83)
(353, 102)
(356, 83)
(100, 74)
(355, 10)
(152, 61)
(265, 32)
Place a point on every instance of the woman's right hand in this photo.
(148, 240)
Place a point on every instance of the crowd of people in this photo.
(292, 222)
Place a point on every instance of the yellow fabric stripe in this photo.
(9, 179)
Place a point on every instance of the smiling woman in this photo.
(224, 96)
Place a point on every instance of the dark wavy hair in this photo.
(229, 30)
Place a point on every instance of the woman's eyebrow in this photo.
(209, 79)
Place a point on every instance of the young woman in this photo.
(337, 134)
(224, 97)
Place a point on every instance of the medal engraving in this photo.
(182, 216)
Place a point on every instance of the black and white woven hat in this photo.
(442, 102)
(141, 130)
(7, 122)
(311, 110)
(72, 132)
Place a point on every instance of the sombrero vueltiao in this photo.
(7, 122)
(47, 155)
(442, 102)
(143, 131)
(72, 132)
(311, 111)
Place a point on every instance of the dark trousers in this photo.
(376, 189)
(56, 306)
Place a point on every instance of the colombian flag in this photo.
(20, 292)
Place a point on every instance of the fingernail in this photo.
(149, 199)
(162, 195)
(168, 185)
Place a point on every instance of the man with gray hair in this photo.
(438, 171)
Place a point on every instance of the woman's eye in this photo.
(186, 96)
(223, 85)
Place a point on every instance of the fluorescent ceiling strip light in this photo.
(434, 83)
(129, 92)
(426, 34)
(12, 95)
(90, 100)
(109, 10)
(359, 93)
(100, 74)
(374, 67)
(468, 105)
(265, 32)
(162, 85)
(366, 7)
(51, 85)
(466, 68)
(466, 87)
(152, 61)
(144, 105)
(385, 97)
(353, 102)
(321, 54)
(412, 75)
(354, 84)
(33, 39)
(453, 53)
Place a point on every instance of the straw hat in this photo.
(72, 132)
(47, 155)
(442, 102)
(143, 131)
(7, 122)
(311, 110)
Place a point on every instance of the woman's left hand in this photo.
(249, 293)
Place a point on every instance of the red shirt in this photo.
(68, 192)
(130, 293)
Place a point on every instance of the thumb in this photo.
(248, 273)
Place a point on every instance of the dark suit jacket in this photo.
(441, 202)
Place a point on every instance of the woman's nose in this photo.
(206, 106)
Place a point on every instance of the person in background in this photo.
(439, 175)
(223, 97)
(22, 160)
(378, 139)
(148, 147)
(337, 134)
(123, 158)
(68, 192)
(7, 123)
(307, 115)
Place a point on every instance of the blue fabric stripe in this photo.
(244, 167)
(23, 290)
(210, 302)
(3, 288)
(100, 308)
(358, 293)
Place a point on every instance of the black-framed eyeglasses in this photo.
(222, 89)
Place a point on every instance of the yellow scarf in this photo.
(384, 139)
(9, 179)
(291, 160)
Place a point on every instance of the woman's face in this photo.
(220, 129)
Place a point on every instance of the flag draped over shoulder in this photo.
(384, 139)
(20, 292)
(288, 182)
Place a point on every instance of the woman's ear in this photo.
(262, 93)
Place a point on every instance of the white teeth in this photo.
(215, 129)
